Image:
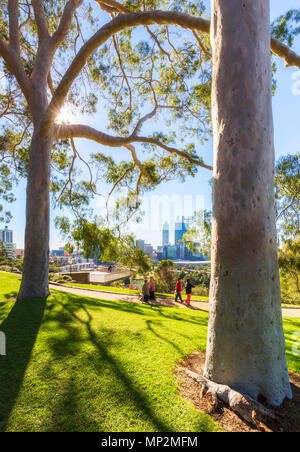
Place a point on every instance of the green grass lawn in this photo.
(79, 364)
(127, 291)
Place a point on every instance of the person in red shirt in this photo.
(178, 290)
(152, 288)
(188, 289)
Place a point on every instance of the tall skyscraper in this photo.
(140, 244)
(6, 235)
(166, 234)
(181, 227)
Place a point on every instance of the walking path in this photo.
(293, 312)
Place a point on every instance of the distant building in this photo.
(148, 249)
(178, 251)
(171, 252)
(182, 251)
(19, 252)
(11, 249)
(181, 227)
(165, 234)
(58, 253)
(6, 236)
(140, 244)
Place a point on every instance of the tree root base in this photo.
(248, 409)
(232, 411)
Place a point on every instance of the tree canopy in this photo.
(94, 56)
(287, 186)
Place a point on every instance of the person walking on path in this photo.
(152, 288)
(178, 291)
(145, 291)
(188, 289)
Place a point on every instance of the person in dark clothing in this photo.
(188, 289)
(152, 288)
(145, 291)
(178, 291)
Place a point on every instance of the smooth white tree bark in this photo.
(36, 259)
(246, 345)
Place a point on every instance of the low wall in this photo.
(97, 277)
(81, 277)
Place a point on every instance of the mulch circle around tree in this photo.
(287, 416)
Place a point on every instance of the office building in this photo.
(148, 249)
(166, 234)
(181, 227)
(140, 244)
(58, 253)
(6, 235)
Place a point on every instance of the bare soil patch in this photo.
(287, 416)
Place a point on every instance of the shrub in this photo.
(5, 268)
(14, 270)
(59, 278)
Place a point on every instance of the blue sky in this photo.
(194, 192)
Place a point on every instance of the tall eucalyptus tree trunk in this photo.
(246, 346)
(36, 258)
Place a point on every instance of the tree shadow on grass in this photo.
(150, 325)
(136, 396)
(142, 309)
(20, 327)
(11, 295)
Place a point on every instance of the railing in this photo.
(88, 266)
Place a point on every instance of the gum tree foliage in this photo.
(287, 196)
(198, 237)
(97, 241)
(166, 274)
(287, 186)
(3, 252)
(289, 261)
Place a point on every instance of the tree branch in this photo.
(123, 70)
(14, 39)
(16, 67)
(171, 150)
(65, 23)
(139, 163)
(83, 131)
(290, 57)
(40, 19)
(144, 119)
(113, 6)
(64, 131)
(202, 47)
(121, 22)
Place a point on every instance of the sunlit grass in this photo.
(80, 364)
(83, 364)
